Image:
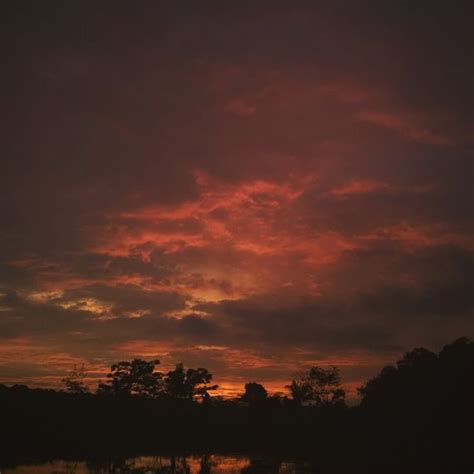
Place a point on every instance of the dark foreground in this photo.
(416, 416)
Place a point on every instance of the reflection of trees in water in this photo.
(176, 465)
(205, 464)
(261, 466)
(155, 465)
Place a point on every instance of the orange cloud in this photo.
(364, 186)
(418, 235)
(410, 126)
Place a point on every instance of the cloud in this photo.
(262, 335)
(240, 107)
(408, 126)
(121, 300)
(241, 180)
(359, 187)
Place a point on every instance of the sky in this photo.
(255, 187)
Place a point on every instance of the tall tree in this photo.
(254, 393)
(320, 387)
(74, 382)
(422, 379)
(137, 377)
(187, 384)
(405, 384)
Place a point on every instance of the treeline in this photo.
(418, 411)
(140, 379)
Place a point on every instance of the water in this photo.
(204, 464)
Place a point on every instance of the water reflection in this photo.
(205, 464)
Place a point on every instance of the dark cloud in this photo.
(124, 298)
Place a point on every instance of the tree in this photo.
(300, 389)
(186, 384)
(418, 359)
(405, 384)
(74, 382)
(456, 373)
(137, 377)
(459, 353)
(320, 387)
(422, 380)
(254, 393)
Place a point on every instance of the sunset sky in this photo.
(254, 187)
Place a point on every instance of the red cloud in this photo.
(240, 107)
(411, 127)
(363, 186)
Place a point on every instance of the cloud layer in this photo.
(251, 188)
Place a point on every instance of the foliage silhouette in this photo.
(418, 412)
(320, 387)
(74, 382)
(137, 377)
(187, 384)
(254, 393)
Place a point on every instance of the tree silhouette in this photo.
(254, 393)
(74, 382)
(417, 359)
(319, 387)
(418, 410)
(187, 384)
(421, 378)
(300, 389)
(405, 384)
(137, 377)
